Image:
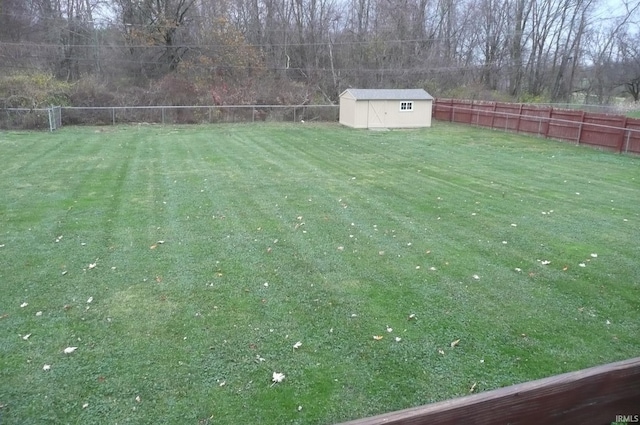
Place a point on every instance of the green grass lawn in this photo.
(185, 263)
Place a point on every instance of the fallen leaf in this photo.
(412, 316)
(297, 344)
(222, 384)
(545, 262)
(476, 277)
(46, 367)
(473, 387)
(594, 255)
(90, 300)
(398, 339)
(138, 398)
(26, 337)
(70, 350)
(441, 351)
(518, 269)
(454, 343)
(389, 329)
(565, 268)
(39, 313)
(154, 246)
(23, 305)
(277, 377)
(378, 337)
(85, 405)
(582, 265)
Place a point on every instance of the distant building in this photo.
(385, 108)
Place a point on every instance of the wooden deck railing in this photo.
(599, 395)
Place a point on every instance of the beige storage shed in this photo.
(385, 108)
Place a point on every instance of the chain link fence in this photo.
(52, 118)
(31, 118)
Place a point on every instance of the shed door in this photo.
(376, 114)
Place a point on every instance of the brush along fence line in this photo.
(26, 119)
(197, 114)
(31, 118)
(598, 395)
(613, 132)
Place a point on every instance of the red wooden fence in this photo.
(614, 132)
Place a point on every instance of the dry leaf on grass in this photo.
(454, 343)
(378, 337)
(46, 367)
(277, 377)
(70, 350)
(297, 344)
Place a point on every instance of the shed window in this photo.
(406, 106)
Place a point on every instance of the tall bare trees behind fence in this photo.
(294, 51)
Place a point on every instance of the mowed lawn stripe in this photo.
(217, 248)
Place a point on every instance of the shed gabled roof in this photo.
(388, 94)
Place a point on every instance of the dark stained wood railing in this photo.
(599, 395)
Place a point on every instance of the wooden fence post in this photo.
(519, 116)
(624, 125)
(580, 128)
(493, 115)
(546, 131)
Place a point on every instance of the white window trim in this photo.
(408, 106)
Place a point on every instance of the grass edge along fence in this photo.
(613, 132)
(598, 395)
